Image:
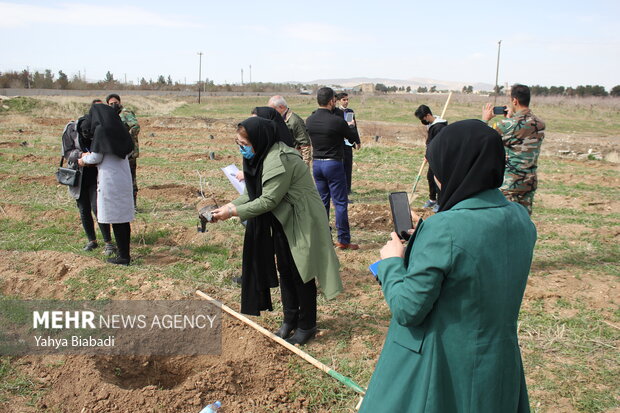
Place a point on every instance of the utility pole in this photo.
(28, 76)
(199, 73)
(250, 73)
(499, 46)
(241, 76)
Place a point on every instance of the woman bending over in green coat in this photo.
(455, 291)
(286, 218)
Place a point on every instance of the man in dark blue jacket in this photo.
(327, 132)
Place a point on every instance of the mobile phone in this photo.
(500, 110)
(401, 214)
(348, 116)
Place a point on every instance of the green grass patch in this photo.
(319, 389)
(13, 383)
(100, 282)
(549, 339)
(21, 104)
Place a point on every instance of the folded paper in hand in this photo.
(231, 172)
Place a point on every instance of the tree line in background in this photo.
(537, 90)
(48, 80)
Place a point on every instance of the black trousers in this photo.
(432, 186)
(122, 234)
(298, 298)
(87, 205)
(348, 165)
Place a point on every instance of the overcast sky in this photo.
(565, 43)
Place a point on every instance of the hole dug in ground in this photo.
(138, 372)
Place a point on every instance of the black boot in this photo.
(285, 330)
(302, 336)
(119, 261)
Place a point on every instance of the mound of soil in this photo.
(252, 372)
(249, 374)
(370, 216)
(55, 122)
(16, 212)
(163, 123)
(174, 192)
(40, 274)
(9, 144)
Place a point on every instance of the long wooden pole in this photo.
(499, 47)
(343, 379)
(445, 107)
(417, 179)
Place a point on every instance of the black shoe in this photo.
(91, 246)
(119, 261)
(237, 280)
(285, 330)
(302, 336)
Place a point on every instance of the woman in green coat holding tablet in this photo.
(286, 218)
(455, 291)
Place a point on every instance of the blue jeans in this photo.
(331, 183)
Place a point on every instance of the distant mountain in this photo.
(414, 82)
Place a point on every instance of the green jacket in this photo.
(298, 129)
(452, 343)
(290, 194)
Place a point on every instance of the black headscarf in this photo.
(267, 112)
(258, 267)
(84, 141)
(467, 157)
(107, 131)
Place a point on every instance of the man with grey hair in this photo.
(296, 125)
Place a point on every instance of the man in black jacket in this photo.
(342, 104)
(434, 124)
(327, 132)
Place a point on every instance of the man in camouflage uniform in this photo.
(522, 133)
(131, 123)
(296, 125)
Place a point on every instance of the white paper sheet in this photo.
(231, 171)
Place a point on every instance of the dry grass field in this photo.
(569, 326)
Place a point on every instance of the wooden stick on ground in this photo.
(417, 179)
(343, 379)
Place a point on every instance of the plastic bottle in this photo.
(212, 408)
